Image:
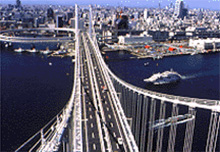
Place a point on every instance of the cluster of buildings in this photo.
(175, 22)
(20, 16)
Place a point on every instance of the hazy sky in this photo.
(211, 4)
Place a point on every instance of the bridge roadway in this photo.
(101, 113)
(92, 140)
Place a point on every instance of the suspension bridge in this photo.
(105, 113)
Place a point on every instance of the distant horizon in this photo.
(205, 4)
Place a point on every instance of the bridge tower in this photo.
(90, 20)
(76, 21)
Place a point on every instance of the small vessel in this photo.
(193, 53)
(146, 64)
(33, 50)
(62, 52)
(164, 78)
(19, 50)
(175, 120)
(47, 51)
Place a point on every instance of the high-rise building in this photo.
(50, 13)
(179, 6)
(69, 15)
(59, 21)
(18, 3)
(146, 14)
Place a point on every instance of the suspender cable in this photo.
(172, 134)
(133, 112)
(189, 133)
(212, 139)
(160, 130)
(138, 120)
(130, 103)
(144, 124)
(209, 133)
(151, 131)
(216, 134)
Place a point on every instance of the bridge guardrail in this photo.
(77, 113)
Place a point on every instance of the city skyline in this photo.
(206, 4)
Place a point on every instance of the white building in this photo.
(145, 14)
(205, 44)
(128, 39)
(179, 6)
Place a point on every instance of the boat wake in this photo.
(185, 77)
(192, 76)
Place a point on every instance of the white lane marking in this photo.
(107, 108)
(93, 135)
(117, 146)
(90, 109)
(94, 147)
(109, 116)
(111, 124)
(90, 116)
(114, 134)
(91, 125)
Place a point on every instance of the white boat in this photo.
(147, 63)
(193, 53)
(31, 50)
(164, 78)
(47, 51)
(19, 50)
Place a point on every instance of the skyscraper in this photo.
(179, 6)
(18, 3)
(59, 21)
(50, 13)
(146, 14)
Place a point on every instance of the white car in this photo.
(120, 141)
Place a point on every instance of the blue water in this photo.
(201, 73)
(32, 93)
